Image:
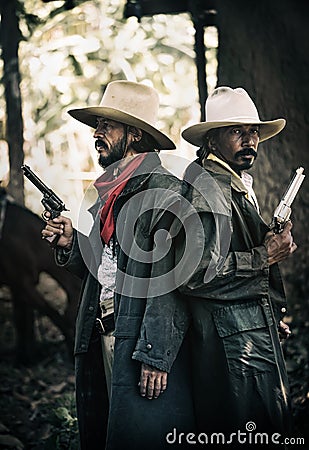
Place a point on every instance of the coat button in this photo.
(90, 308)
(149, 346)
(283, 310)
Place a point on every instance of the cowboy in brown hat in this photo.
(235, 295)
(126, 298)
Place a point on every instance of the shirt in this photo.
(107, 279)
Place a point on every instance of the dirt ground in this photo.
(37, 401)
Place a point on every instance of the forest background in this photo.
(66, 58)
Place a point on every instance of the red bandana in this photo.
(109, 189)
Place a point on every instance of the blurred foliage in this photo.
(61, 415)
(66, 60)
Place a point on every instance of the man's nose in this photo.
(99, 132)
(248, 139)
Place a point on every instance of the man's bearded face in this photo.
(109, 155)
(110, 141)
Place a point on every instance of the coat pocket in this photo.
(244, 329)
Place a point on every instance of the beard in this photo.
(114, 153)
(247, 164)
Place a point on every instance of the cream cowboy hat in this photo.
(131, 103)
(226, 107)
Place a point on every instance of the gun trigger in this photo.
(44, 217)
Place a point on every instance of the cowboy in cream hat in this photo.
(232, 109)
(235, 296)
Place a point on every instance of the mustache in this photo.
(99, 144)
(246, 152)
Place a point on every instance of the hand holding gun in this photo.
(283, 211)
(51, 202)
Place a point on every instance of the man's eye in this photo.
(236, 130)
(105, 125)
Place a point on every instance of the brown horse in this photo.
(23, 257)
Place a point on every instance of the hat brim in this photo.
(88, 117)
(195, 134)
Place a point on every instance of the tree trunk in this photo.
(264, 48)
(10, 36)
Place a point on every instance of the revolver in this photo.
(283, 211)
(51, 202)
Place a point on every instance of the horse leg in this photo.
(23, 318)
(37, 301)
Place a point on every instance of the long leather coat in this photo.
(150, 316)
(236, 301)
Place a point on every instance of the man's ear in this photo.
(211, 143)
(136, 133)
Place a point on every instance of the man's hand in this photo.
(280, 246)
(284, 330)
(153, 382)
(60, 225)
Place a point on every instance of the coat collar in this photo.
(142, 173)
(235, 182)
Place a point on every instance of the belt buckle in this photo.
(99, 326)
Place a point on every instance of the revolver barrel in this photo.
(294, 186)
(51, 202)
(283, 211)
(35, 180)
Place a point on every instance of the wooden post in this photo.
(10, 37)
(200, 59)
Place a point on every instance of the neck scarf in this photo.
(245, 178)
(109, 189)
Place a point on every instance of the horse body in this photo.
(23, 257)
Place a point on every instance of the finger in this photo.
(58, 220)
(160, 385)
(45, 234)
(150, 387)
(143, 383)
(294, 247)
(284, 327)
(51, 225)
(157, 387)
(287, 332)
(54, 230)
(164, 382)
(287, 227)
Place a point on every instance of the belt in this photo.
(105, 324)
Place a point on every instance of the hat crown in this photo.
(227, 104)
(135, 99)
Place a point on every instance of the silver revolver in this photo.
(283, 211)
